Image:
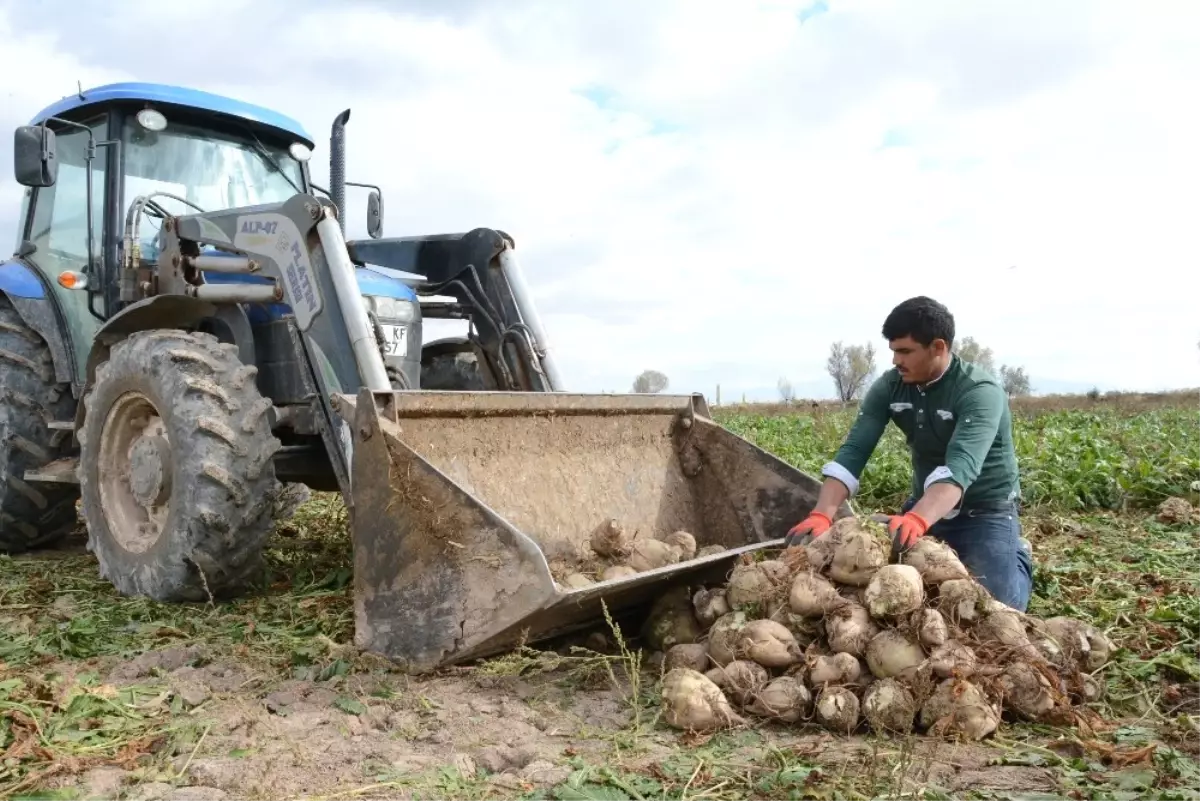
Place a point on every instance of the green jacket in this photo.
(958, 428)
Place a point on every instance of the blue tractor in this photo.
(184, 330)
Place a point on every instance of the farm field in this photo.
(265, 697)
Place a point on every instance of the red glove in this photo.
(907, 528)
(810, 527)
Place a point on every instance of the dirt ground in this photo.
(485, 735)
(522, 726)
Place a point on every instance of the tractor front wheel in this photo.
(176, 467)
(451, 365)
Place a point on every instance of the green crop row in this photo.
(1069, 459)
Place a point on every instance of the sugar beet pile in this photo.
(833, 634)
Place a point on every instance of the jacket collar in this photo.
(953, 363)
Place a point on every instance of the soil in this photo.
(267, 738)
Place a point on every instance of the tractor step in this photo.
(60, 471)
(61, 425)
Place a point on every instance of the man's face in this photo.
(917, 363)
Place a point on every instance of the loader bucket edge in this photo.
(576, 609)
(468, 505)
(431, 564)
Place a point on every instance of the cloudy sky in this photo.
(722, 189)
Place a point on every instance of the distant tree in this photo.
(787, 393)
(851, 368)
(650, 381)
(1016, 381)
(970, 350)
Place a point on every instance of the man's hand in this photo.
(807, 529)
(906, 529)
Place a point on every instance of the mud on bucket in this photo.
(462, 501)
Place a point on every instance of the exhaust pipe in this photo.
(337, 167)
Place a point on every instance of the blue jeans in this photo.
(988, 541)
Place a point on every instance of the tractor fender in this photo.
(160, 311)
(446, 345)
(232, 324)
(26, 288)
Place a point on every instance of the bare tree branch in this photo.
(1016, 381)
(787, 393)
(851, 367)
(650, 381)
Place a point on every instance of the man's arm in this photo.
(843, 471)
(937, 501)
(979, 412)
(833, 494)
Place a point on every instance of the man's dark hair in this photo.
(923, 319)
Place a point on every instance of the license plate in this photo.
(395, 339)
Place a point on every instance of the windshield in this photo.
(212, 170)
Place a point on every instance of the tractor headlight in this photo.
(300, 151)
(391, 310)
(152, 120)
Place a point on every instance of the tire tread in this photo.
(30, 399)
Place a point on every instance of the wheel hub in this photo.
(135, 472)
(150, 470)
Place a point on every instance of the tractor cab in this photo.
(175, 151)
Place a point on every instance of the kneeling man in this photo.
(956, 419)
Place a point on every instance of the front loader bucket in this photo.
(463, 502)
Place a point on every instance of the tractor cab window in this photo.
(209, 170)
(60, 212)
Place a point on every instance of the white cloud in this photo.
(704, 185)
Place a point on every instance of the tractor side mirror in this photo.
(34, 160)
(375, 215)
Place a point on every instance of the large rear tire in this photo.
(31, 515)
(176, 468)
